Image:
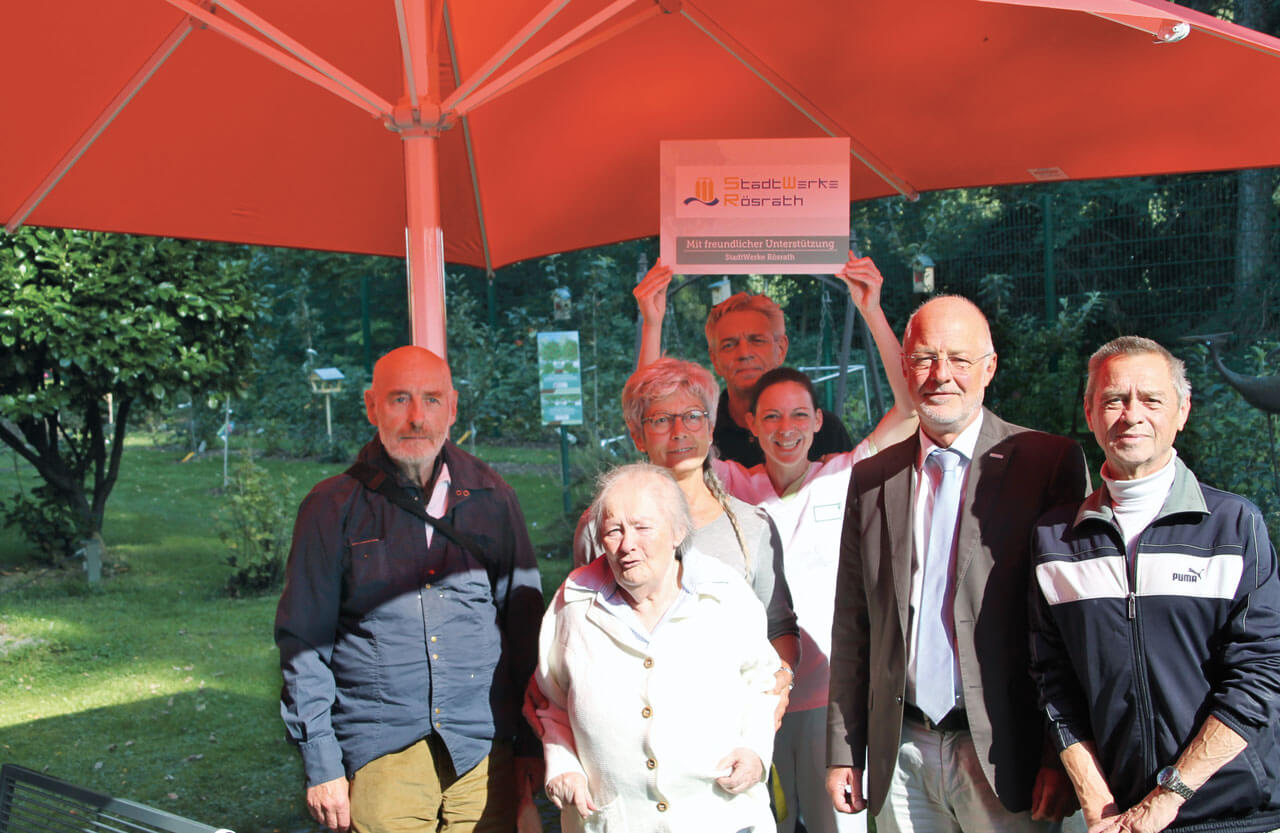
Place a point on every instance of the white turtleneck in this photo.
(1137, 502)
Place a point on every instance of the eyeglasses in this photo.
(960, 365)
(663, 423)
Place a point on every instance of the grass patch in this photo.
(158, 687)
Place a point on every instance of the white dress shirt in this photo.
(925, 483)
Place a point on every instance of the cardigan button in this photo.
(898, 700)
(651, 763)
(648, 662)
(662, 806)
(646, 712)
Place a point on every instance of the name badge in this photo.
(828, 512)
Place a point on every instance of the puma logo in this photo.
(1190, 575)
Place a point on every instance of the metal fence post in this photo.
(1050, 290)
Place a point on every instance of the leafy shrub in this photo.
(1039, 380)
(1228, 443)
(285, 418)
(45, 520)
(256, 525)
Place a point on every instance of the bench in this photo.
(31, 802)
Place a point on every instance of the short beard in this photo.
(392, 446)
(938, 425)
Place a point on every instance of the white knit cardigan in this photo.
(647, 724)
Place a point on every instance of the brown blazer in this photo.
(1015, 476)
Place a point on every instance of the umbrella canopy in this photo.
(522, 127)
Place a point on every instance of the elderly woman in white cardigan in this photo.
(657, 673)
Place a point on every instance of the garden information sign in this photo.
(750, 206)
(560, 378)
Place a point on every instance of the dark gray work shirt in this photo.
(384, 640)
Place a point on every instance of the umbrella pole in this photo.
(424, 242)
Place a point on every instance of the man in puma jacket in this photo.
(1156, 622)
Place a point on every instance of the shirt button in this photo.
(433, 639)
(651, 763)
(662, 806)
(435, 656)
(437, 711)
(648, 662)
(437, 725)
(646, 712)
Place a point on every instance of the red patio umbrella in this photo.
(488, 131)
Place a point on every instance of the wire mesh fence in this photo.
(1164, 253)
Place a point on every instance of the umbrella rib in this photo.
(471, 153)
(307, 57)
(417, 72)
(508, 49)
(1272, 51)
(548, 53)
(406, 55)
(1163, 10)
(288, 54)
(584, 45)
(104, 119)
(797, 100)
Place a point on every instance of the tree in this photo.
(85, 315)
(1255, 209)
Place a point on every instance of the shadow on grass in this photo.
(184, 753)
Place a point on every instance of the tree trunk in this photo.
(1253, 246)
(93, 550)
(1253, 217)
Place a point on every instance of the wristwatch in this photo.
(1171, 780)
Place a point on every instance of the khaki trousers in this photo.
(938, 787)
(416, 790)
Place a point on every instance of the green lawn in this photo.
(157, 686)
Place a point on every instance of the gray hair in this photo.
(663, 378)
(1137, 346)
(673, 503)
(762, 304)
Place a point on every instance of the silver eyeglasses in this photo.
(663, 423)
(960, 365)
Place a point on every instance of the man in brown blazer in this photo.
(930, 689)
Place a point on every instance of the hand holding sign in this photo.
(651, 293)
(864, 282)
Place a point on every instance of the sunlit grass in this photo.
(156, 686)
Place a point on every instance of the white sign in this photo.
(741, 206)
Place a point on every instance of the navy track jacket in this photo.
(1134, 654)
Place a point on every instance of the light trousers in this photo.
(938, 787)
(800, 756)
(416, 790)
